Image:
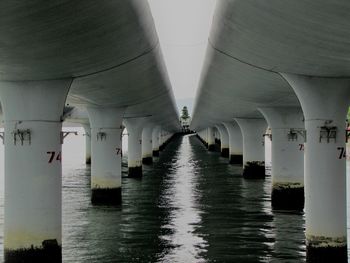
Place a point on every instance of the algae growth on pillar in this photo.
(33, 113)
(135, 128)
(87, 135)
(210, 139)
(253, 147)
(288, 137)
(235, 142)
(325, 103)
(224, 137)
(147, 154)
(106, 147)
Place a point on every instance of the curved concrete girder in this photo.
(300, 37)
(60, 39)
(110, 50)
(229, 88)
(129, 84)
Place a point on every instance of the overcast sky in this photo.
(183, 29)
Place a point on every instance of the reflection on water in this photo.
(179, 198)
(190, 206)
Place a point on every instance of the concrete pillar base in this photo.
(50, 251)
(135, 172)
(325, 103)
(287, 197)
(236, 159)
(147, 160)
(107, 196)
(106, 145)
(87, 129)
(211, 147)
(326, 254)
(210, 139)
(155, 153)
(225, 152)
(254, 170)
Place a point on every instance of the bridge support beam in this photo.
(87, 130)
(235, 142)
(288, 137)
(253, 147)
(147, 145)
(33, 170)
(106, 145)
(155, 141)
(325, 103)
(225, 147)
(135, 127)
(210, 139)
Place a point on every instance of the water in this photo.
(191, 206)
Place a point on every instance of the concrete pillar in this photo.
(147, 145)
(87, 130)
(253, 147)
(161, 140)
(33, 171)
(217, 138)
(235, 142)
(268, 155)
(225, 147)
(210, 139)
(325, 103)
(155, 141)
(288, 137)
(166, 138)
(135, 127)
(106, 146)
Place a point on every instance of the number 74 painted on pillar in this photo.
(342, 152)
(53, 156)
(119, 151)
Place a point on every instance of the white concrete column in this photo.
(206, 132)
(268, 154)
(106, 146)
(224, 138)
(216, 135)
(135, 127)
(324, 102)
(87, 135)
(211, 138)
(33, 170)
(147, 145)
(253, 147)
(288, 137)
(161, 140)
(164, 140)
(235, 142)
(155, 141)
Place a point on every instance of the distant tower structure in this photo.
(185, 120)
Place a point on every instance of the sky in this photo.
(183, 28)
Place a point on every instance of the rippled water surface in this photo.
(190, 206)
